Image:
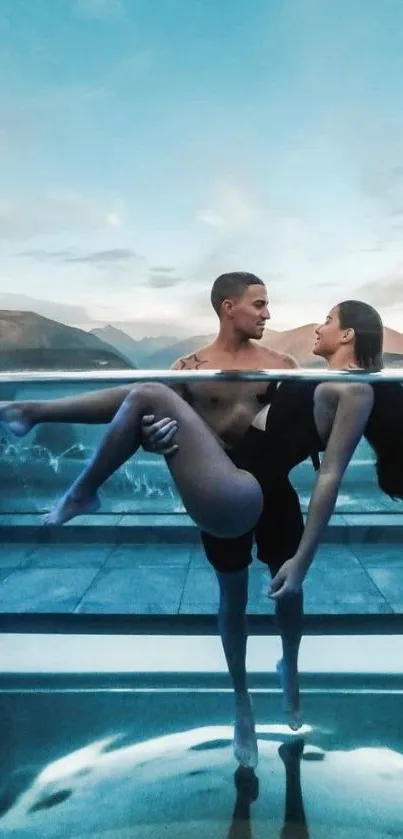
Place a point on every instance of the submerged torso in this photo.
(288, 436)
(291, 431)
(229, 408)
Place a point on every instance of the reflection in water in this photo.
(295, 825)
(178, 785)
(247, 791)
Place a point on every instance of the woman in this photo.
(222, 499)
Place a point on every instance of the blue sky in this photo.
(148, 145)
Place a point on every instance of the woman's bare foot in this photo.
(289, 684)
(245, 740)
(70, 506)
(18, 419)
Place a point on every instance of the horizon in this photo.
(174, 336)
(144, 157)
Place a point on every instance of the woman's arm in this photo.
(354, 406)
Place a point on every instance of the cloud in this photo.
(151, 327)
(104, 258)
(62, 312)
(40, 107)
(383, 181)
(387, 292)
(40, 255)
(163, 277)
(99, 9)
(162, 269)
(372, 249)
(113, 219)
(53, 212)
(134, 65)
(230, 209)
(122, 259)
(198, 305)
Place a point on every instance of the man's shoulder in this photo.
(195, 360)
(274, 358)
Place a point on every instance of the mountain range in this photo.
(29, 341)
(159, 353)
(138, 351)
(298, 342)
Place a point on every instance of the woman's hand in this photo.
(288, 580)
(157, 437)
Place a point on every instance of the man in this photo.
(241, 303)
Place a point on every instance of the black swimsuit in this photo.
(290, 438)
(292, 435)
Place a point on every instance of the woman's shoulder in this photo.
(358, 393)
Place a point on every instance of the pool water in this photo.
(141, 757)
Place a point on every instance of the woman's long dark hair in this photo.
(368, 332)
(384, 430)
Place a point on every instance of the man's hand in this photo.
(288, 580)
(157, 436)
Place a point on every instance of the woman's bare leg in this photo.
(232, 626)
(97, 407)
(290, 618)
(221, 499)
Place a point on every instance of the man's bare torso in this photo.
(229, 408)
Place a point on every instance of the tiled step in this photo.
(135, 578)
(150, 528)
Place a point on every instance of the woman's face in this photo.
(328, 335)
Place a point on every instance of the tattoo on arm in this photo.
(191, 362)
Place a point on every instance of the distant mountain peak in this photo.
(29, 341)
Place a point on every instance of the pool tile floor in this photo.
(176, 579)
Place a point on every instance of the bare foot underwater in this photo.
(17, 419)
(289, 684)
(245, 740)
(70, 506)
